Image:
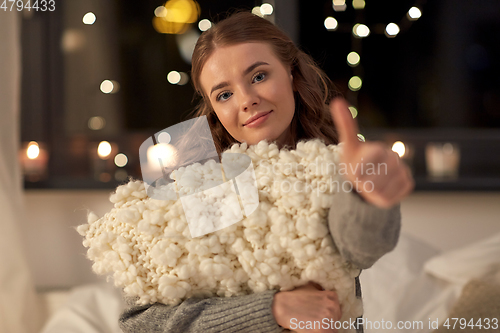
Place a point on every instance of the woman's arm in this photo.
(250, 313)
(361, 231)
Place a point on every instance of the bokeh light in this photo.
(121, 160)
(256, 11)
(89, 18)
(339, 5)
(331, 23)
(161, 11)
(166, 153)
(266, 9)
(354, 111)
(204, 25)
(355, 83)
(358, 4)
(399, 148)
(414, 14)
(391, 30)
(360, 30)
(176, 16)
(33, 150)
(164, 137)
(174, 77)
(106, 86)
(353, 59)
(104, 149)
(96, 123)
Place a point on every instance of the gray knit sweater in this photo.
(362, 233)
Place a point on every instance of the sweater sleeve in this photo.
(363, 232)
(249, 313)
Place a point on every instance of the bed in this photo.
(415, 285)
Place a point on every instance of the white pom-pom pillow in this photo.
(284, 243)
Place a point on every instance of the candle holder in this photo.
(442, 161)
(34, 158)
(102, 158)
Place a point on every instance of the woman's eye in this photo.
(223, 96)
(259, 77)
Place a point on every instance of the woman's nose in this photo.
(249, 99)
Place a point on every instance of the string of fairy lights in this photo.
(182, 18)
(360, 31)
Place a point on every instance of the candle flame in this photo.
(33, 150)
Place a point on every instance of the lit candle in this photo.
(34, 160)
(103, 164)
(442, 160)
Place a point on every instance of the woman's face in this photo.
(251, 92)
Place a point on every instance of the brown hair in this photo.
(313, 89)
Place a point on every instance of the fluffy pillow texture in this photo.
(147, 245)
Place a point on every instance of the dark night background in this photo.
(402, 78)
(437, 80)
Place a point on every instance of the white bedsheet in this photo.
(396, 289)
(92, 308)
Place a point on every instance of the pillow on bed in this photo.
(479, 302)
(396, 288)
(471, 262)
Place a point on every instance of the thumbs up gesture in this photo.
(375, 171)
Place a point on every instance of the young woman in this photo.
(256, 84)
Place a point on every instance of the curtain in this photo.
(19, 304)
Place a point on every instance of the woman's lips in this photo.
(259, 120)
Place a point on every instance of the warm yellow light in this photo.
(354, 111)
(33, 150)
(256, 11)
(166, 153)
(414, 14)
(331, 23)
(121, 160)
(89, 18)
(266, 9)
(399, 148)
(104, 149)
(339, 5)
(204, 25)
(355, 83)
(174, 77)
(353, 59)
(360, 30)
(391, 30)
(161, 11)
(106, 86)
(163, 26)
(96, 123)
(182, 11)
(358, 4)
(176, 16)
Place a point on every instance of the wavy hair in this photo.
(313, 88)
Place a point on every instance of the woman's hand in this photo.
(307, 303)
(388, 181)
